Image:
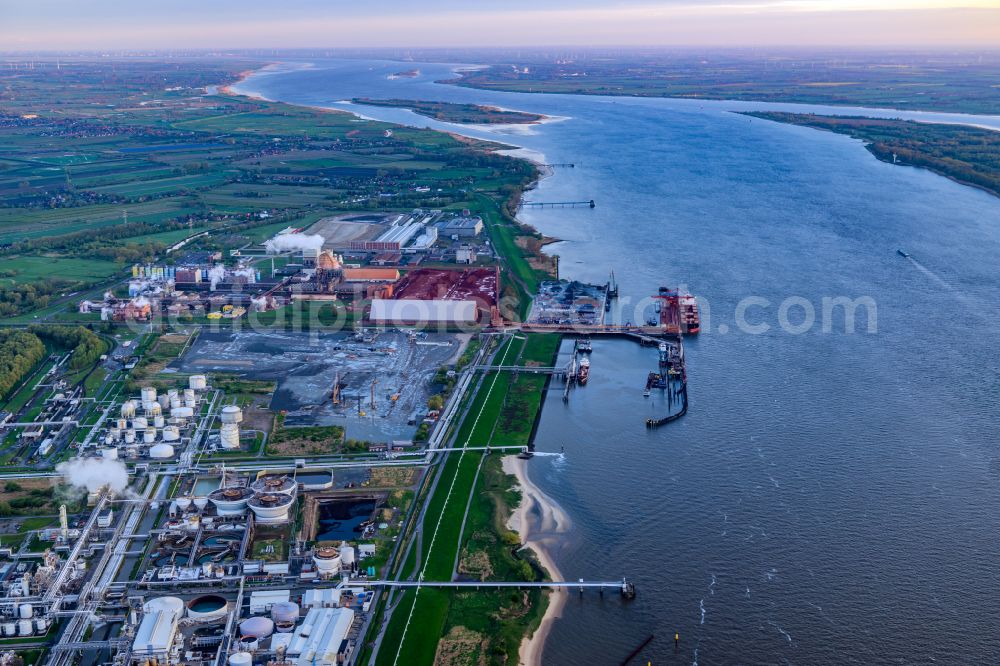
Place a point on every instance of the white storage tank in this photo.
(153, 409)
(109, 453)
(140, 423)
(189, 394)
(258, 627)
(171, 433)
(163, 400)
(182, 413)
(116, 432)
(25, 611)
(175, 403)
(231, 414)
(158, 421)
(108, 439)
(148, 394)
(128, 409)
(41, 625)
(327, 560)
(161, 451)
(347, 556)
(149, 435)
(25, 628)
(197, 382)
(240, 659)
(130, 436)
(285, 611)
(9, 628)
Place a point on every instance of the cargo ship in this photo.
(677, 314)
(690, 318)
(583, 371)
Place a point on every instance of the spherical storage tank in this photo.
(128, 409)
(258, 627)
(161, 451)
(207, 607)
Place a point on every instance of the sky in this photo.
(185, 24)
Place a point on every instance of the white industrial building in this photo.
(321, 637)
(262, 600)
(156, 633)
(412, 311)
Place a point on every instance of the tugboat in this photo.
(583, 372)
(584, 346)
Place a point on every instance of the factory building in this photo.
(415, 312)
(463, 227)
(154, 639)
(321, 639)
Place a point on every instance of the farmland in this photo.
(139, 155)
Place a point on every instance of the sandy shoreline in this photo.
(540, 522)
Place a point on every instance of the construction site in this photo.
(374, 383)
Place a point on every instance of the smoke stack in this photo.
(63, 522)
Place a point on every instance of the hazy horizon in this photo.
(59, 25)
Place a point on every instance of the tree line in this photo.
(20, 351)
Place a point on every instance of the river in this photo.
(831, 497)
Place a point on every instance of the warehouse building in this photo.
(321, 639)
(410, 312)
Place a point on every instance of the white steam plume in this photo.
(216, 274)
(94, 473)
(291, 242)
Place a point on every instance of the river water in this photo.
(831, 497)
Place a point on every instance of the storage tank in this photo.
(122, 424)
(25, 628)
(347, 556)
(258, 627)
(327, 560)
(152, 409)
(230, 501)
(41, 625)
(198, 382)
(140, 423)
(231, 414)
(189, 396)
(182, 413)
(128, 409)
(158, 421)
(171, 433)
(248, 643)
(130, 436)
(25, 611)
(108, 439)
(174, 604)
(200, 503)
(148, 394)
(115, 432)
(109, 453)
(161, 451)
(163, 400)
(149, 435)
(275, 484)
(172, 394)
(240, 659)
(271, 508)
(9, 628)
(285, 611)
(207, 607)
